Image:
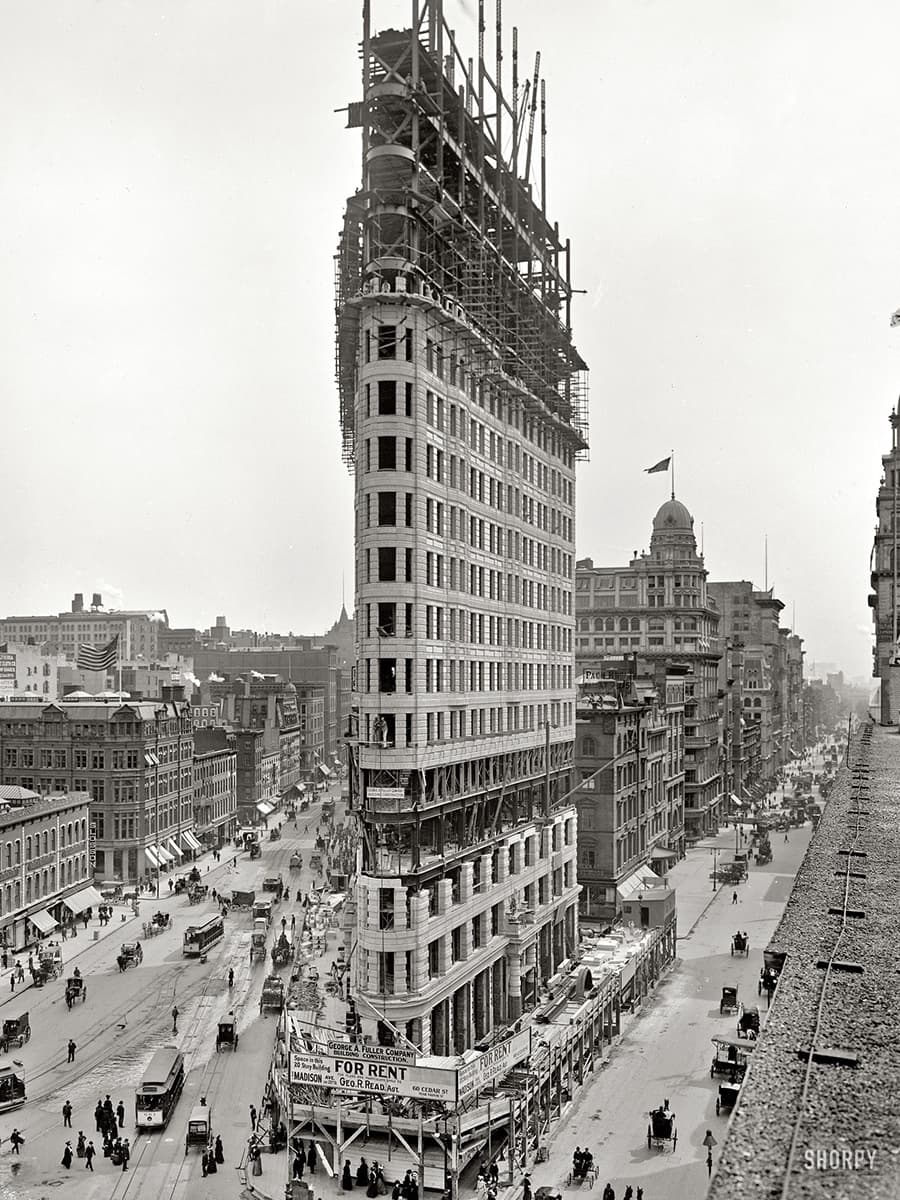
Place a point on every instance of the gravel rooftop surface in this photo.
(847, 1111)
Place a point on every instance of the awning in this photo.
(737, 800)
(163, 854)
(151, 856)
(642, 878)
(264, 808)
(42, 920)
(662, 852)
(325, 770)
(190, 841)
(150, 758)
(175, 848)
(88, 897)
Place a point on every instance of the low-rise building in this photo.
(135, 759)
(45, 863)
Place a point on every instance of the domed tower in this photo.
(672, 539)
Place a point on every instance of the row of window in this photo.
(40, 886)
(386, 619)
(51, 726)
(39, 844)
(457, 675)
(385, 729)
(387, 344)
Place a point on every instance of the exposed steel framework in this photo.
(447, 212)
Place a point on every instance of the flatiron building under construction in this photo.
(463, 405)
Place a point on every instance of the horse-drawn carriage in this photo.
(227, 1035)
(131, 955)
(296, 863)
(197, 892)
(16, 1032)
(275, 884)
(274, 834)
(740, 944)
(730, 1057)
(764, 852)
(49, 966)
(748, 1022)
(662, 1128)
(258, 940)
(727, 1097)
(76, 989)
(583, 1169)
(243, 899)
(729, 1001)
(199, 1128)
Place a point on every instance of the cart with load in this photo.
(76, 989)
(243, 899)
(199, 1128)
(227, 1035)
(662, 1128)
(258, 941)
(748, 1022)
(282, 951)
(262, 911)
(16, 1032)
(274, 883)
(52, 962)
(272, 998)
(730, 1058)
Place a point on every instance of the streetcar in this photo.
(199, 938)
(155, 1099)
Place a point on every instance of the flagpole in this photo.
(672, 457)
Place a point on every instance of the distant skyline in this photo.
(173, 185)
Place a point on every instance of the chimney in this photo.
(78, 602)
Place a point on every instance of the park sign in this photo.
(483, 1071)
(361, 1074)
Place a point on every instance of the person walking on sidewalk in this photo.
(734, 897)
(89, 1153)
(67, 1114)
(175, 1018)
(72, 1049)
(120, 1113)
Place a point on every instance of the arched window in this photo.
(9, 854)
(18, 899)
(53, 879)
(610, 625)
(69, 870)
(598, 625)
(28, 848)
(27, 888)
(70, 833)
(44, 883)
(53, 840)
(623, 625)
(757, 703)
(18, 852)
(46, 841)
(588, 747)
(635, 625)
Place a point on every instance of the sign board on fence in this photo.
(385, 793)
(389, 1054)
(360, 1075)
(493, 1064)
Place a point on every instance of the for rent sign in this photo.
(494, 1064)
(359, 1074)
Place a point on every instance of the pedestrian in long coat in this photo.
(311, 1158)
(219, 1151)
(211, 1163)
(347, 1177)
(204, 1163)
(67, 1156)
(120, 1113)
(89, 1153)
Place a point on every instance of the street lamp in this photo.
(715, 854)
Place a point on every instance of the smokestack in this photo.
(78, 602)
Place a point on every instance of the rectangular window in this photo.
(387, 454)
(387, 397)
(408, 573)
(409, 510)
(387, 508)
(409, 454)
(387, 564)
(387, 341)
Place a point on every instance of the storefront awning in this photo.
(175, 848)
(736, 800)
(190, 841)
(163, 854)
(325, 770)
(643, 877)
(264, 808)
(151, 856)
(88, 897)
(42, 920)
(662, 853)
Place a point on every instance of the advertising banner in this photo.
(494, 1064)
(7, 674)
(360, 1075)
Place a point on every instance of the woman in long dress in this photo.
(347, 1177)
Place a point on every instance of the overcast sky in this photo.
(172, 182)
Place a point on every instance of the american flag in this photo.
(895, 318)
(98, 658)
